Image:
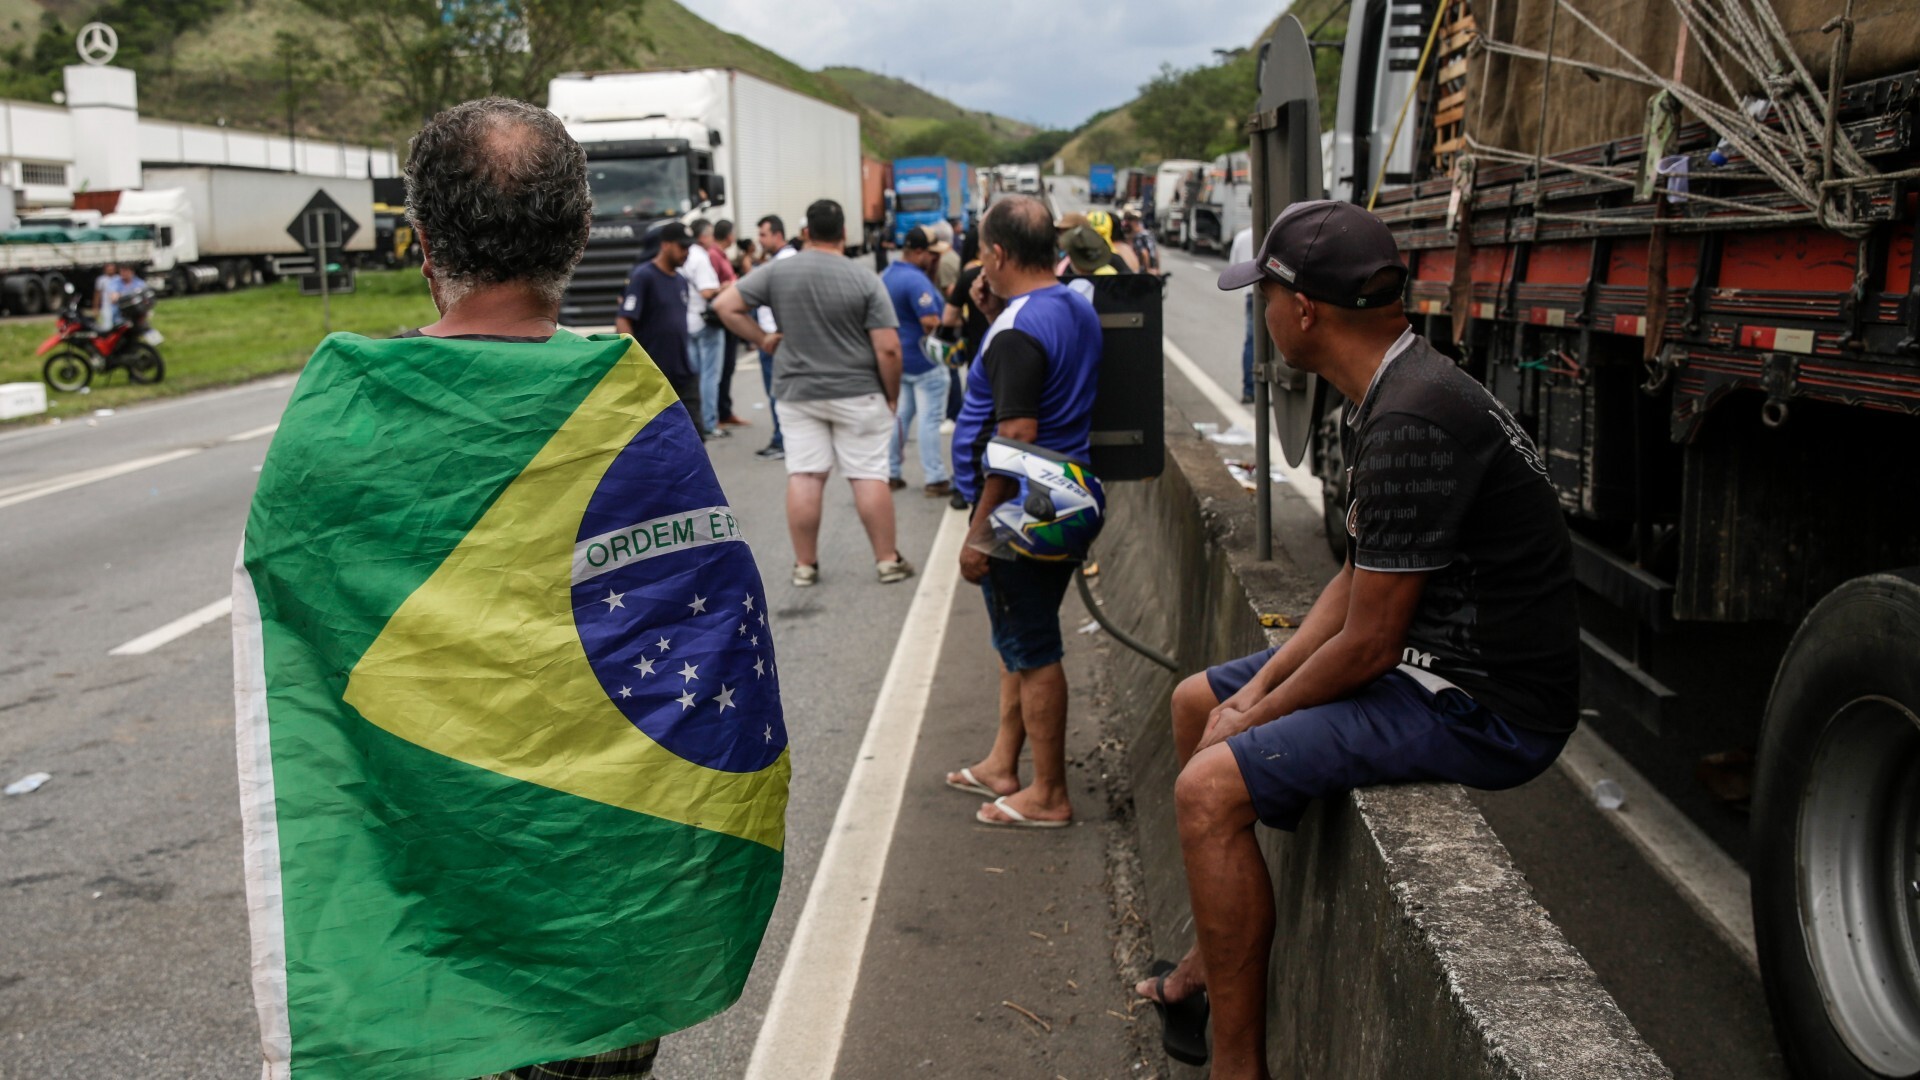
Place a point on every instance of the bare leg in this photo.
(1043, 705)
(1193, 702)
(804, 493)
(874, 502)
(1000, 770)
(1233, 913)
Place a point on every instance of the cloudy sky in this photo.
(1051, 61)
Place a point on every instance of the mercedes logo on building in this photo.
(98, 43)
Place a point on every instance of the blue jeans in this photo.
(705, 352)
(1246, 352)
(766, 380)
(925, 394)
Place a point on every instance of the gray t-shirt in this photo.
(825, 304)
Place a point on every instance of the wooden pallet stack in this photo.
(1450, 108)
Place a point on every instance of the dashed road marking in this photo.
(178, 628)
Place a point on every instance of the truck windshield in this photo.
(638, 187)
(919, 203)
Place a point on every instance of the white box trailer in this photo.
(707, 142)
(240, 218)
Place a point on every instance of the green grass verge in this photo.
(226, 338)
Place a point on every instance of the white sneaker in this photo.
(898, 569)
(946, 427)
(805, 576)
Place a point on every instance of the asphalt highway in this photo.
(122, 922)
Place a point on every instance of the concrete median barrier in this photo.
(1407, 943)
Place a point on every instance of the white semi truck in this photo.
(240, 219)
(674, 145)
(188, 229)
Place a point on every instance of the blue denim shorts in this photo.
(1023, 604)
(1392, 731)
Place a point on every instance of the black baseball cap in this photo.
(917, 239)
(1325, 249)
(673, 232)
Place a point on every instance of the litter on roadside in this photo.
(1608, 795)
(1243, 471)
(1233, 436)
(28, 783)
(103, 412)
(1092, 627)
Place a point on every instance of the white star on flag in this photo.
(689, 672)
(759, 667)
(769, 732)
(612, 599)
(662, 644)
(699, 603)
(763, 618)
(749, 601)
(743, 629)
(685, 700)
(644, 667)
(626, 692)
(754, 640)
(725, 698)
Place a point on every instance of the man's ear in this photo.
(426, 252)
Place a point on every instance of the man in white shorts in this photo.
(836, 382)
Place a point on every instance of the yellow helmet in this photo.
(1102, 223)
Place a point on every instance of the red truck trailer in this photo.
(876, 192)
(1686, 265)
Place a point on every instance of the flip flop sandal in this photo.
(1183, 1023)
(1020, 821)
(972, 785)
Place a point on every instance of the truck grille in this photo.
(593, 297)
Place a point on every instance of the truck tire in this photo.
(1333, 484)
(1836, 835)
(229, 275)
(31, 298)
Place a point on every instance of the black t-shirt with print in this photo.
(1444, 481)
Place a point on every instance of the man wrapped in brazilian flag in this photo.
(512, 761)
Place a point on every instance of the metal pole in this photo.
(326, 298)
(1261, 141)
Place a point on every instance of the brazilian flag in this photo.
(512, 761)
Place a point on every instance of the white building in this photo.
(98, 141)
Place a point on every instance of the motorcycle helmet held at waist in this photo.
(1058, 509)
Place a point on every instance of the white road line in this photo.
(1302, 481)
(29, 492)
(178, 628)
(41, 488)
(1205, 268)
(1705, 876)
(807, 1016)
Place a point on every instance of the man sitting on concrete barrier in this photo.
(1445, 649)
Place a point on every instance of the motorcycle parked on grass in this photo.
(80, 351)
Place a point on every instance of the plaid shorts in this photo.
(628, 1063)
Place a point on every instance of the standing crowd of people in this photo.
(1445, 648)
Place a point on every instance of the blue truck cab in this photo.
(1100, 184)
(926, 190)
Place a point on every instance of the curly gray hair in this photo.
(499, 189)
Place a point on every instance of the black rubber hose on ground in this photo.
(1119, 635)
